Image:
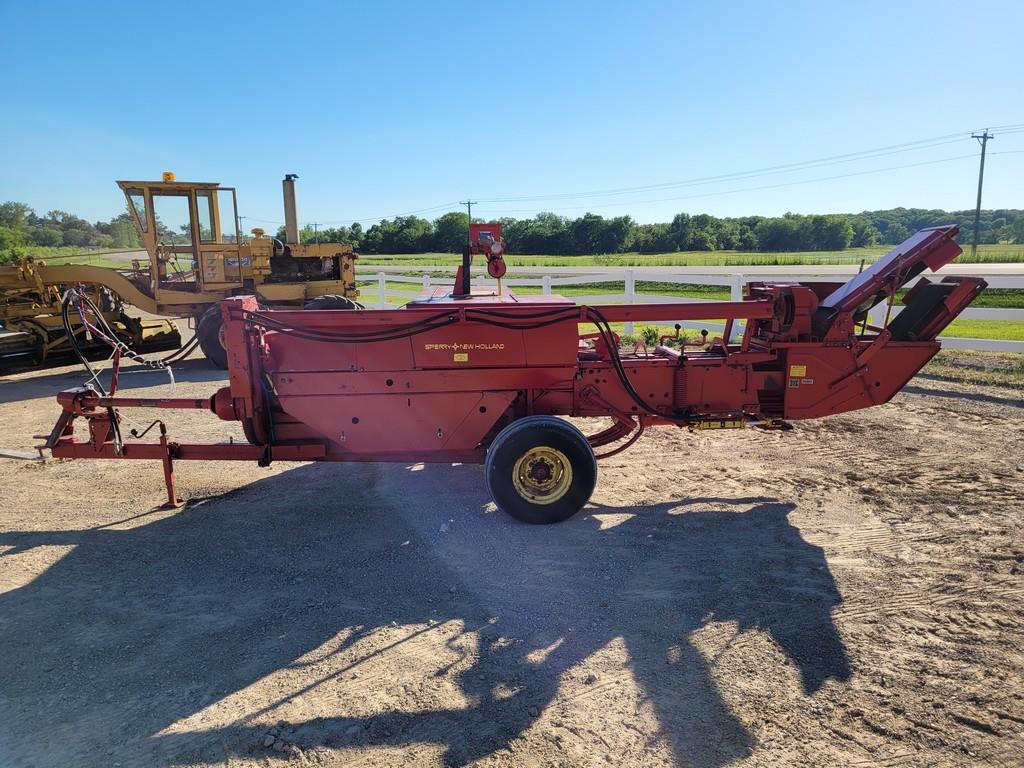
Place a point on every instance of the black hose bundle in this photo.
(99, 327)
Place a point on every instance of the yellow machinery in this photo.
(196, 255)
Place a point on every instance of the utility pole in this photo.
(316, 235)
(469, 218)
(983, 140)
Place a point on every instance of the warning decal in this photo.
(797, 371)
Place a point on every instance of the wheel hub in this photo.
(542, 475)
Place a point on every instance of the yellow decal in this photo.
(461, 357)
(720, 424)
(798, 371)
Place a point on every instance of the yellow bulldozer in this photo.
(197, 256)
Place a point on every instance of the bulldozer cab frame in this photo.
(191, 233)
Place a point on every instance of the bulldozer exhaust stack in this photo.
(291, 216)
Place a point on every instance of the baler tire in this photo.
(554, 442)
(209, 332)
(331, 301)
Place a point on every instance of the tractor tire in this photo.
(332, 302)
(540, 470)
(211, 336)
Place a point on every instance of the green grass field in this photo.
(980, 329)
(1008, 330)
(1003, 330)
(988, 254)
(70, 255)
(995, 369)
(102, 259)
(60, 252)
(1002, 253)
(92, 261)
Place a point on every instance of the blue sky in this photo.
(388, 108)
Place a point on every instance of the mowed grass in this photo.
(961, 328)
(996, 369)
(998, 253)
(1007, 330)
(60, 253)
(994, 298)
(103, 259)
(65, 255)
(988, 254)
(93, 261)
(678, 259)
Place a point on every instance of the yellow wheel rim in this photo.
(221, 337)
(542, 475)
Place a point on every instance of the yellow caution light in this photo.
(168, 176)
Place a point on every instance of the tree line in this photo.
(21, 226)
(549, 233)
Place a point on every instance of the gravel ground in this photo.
(848, 593)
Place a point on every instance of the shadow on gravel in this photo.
(137, 628)
(964, 395)
(28, 387)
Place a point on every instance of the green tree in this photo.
(49, 236)
(864, 232)
(451, 232)
(11, 244)
(617, 234)
(681, 231)
(123, 233)
(652, 238)
(1018, 230)
(588, 234)
(78, 237)
(15, 216)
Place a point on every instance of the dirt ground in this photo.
(848, 593)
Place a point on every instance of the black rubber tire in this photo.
(330, 301)
(208, 332)
(532, 432)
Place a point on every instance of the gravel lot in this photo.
(848, 593)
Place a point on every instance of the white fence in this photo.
(379, 298)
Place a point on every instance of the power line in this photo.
(374, 219)
(789, 168)
(893, 149)
(770, 170)
(751, 189)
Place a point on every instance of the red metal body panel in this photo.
(436, 380)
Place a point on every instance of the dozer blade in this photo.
(157, 336)
(23, 351)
